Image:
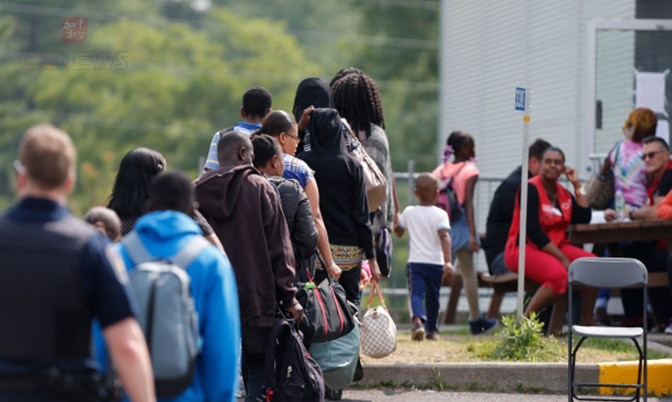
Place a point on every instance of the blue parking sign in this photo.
(520, 98)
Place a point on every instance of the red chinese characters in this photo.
(73, 30)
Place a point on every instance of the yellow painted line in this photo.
(660, 376)
(526, 119)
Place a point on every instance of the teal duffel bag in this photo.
(338, 358)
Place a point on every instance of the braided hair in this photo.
(357, 99)
(342, 73)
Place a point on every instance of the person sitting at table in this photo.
(548, 253)
(665, 212)
(652, 254)
(656, 157)
(501, 210)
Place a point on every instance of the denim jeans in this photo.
(424, 283)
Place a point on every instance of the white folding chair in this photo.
(608, 273)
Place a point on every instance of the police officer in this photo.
(55, 277)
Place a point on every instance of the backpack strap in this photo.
(135, 249)
(451, 177)
(269, 364)
(139, 254)
(190, 251)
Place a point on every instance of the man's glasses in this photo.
(650, 155)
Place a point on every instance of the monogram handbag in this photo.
(379, 333)
(600, 188)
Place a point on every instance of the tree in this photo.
(164, 85)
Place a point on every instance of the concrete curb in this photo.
(519, 377)
(491, 376)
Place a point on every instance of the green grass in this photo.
(622, 346)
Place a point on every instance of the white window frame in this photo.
(594, 26)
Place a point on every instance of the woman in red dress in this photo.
(550, 210)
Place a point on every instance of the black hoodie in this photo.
(340, 179)
(311, 92)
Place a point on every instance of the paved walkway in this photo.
(432, 396)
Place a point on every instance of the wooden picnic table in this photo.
(614, 232)
(607, 235)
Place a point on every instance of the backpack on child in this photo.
(166, 311)
(448, 196)
(291, 374)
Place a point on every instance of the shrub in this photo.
(520, 341)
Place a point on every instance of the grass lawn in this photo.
(462, 347)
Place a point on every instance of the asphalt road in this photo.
(432, 396)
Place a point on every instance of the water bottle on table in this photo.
(619, 205)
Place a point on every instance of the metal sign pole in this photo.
(523, 100)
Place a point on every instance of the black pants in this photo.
(660, 297)
(255, 343)
(349, 280)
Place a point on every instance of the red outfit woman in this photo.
(546, 223)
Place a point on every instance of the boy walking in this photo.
(429, 259)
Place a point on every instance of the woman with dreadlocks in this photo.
(357, 100)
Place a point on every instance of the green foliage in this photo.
(520, 341)
(188, 68)
(437, 383)
(171, 87)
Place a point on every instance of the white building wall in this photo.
(491, 46)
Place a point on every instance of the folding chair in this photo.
(607, 273)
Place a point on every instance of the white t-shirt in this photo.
(423, 224)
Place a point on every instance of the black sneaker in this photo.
(483, 326)
(332, 394)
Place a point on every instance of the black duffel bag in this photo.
(326, 314)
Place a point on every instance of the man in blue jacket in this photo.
(164, 232)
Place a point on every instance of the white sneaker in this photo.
(668, 330)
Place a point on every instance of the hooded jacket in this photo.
(213, 287)
(245, 212)
(310, 92)
(340, 179)
(299, 216)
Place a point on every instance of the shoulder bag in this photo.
(376, 184)
(326, 313)
(600, 187)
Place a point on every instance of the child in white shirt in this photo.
(429, 259)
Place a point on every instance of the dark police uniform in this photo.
(55, 278)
